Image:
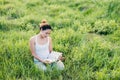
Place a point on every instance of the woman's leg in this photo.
(58, 65)
(40, 65)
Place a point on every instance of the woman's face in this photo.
(46, 33)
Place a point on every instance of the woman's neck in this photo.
(40, 36)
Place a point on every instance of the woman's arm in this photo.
(32, 49)
(50, 45)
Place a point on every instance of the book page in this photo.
(54, 55)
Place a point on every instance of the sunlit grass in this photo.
(86, 32)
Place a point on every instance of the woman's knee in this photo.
(60, 65)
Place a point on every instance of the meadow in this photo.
(87, 32)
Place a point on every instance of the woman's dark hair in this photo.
(44, 25)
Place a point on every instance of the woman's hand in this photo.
(61, 58)
(46, 61)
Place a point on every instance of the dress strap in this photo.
(36, 39)
(48, 40)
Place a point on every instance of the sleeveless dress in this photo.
(42, 51)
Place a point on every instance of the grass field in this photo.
(87, 32)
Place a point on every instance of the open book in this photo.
(53, 56)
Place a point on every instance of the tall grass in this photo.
(86, 32)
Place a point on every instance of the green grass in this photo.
(87, 32)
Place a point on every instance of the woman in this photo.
(41, 48)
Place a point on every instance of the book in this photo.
(53, 56)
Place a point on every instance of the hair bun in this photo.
(44, 21)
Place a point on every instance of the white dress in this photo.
(42, 51)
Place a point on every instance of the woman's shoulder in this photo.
(49, 38)
(32, 38)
